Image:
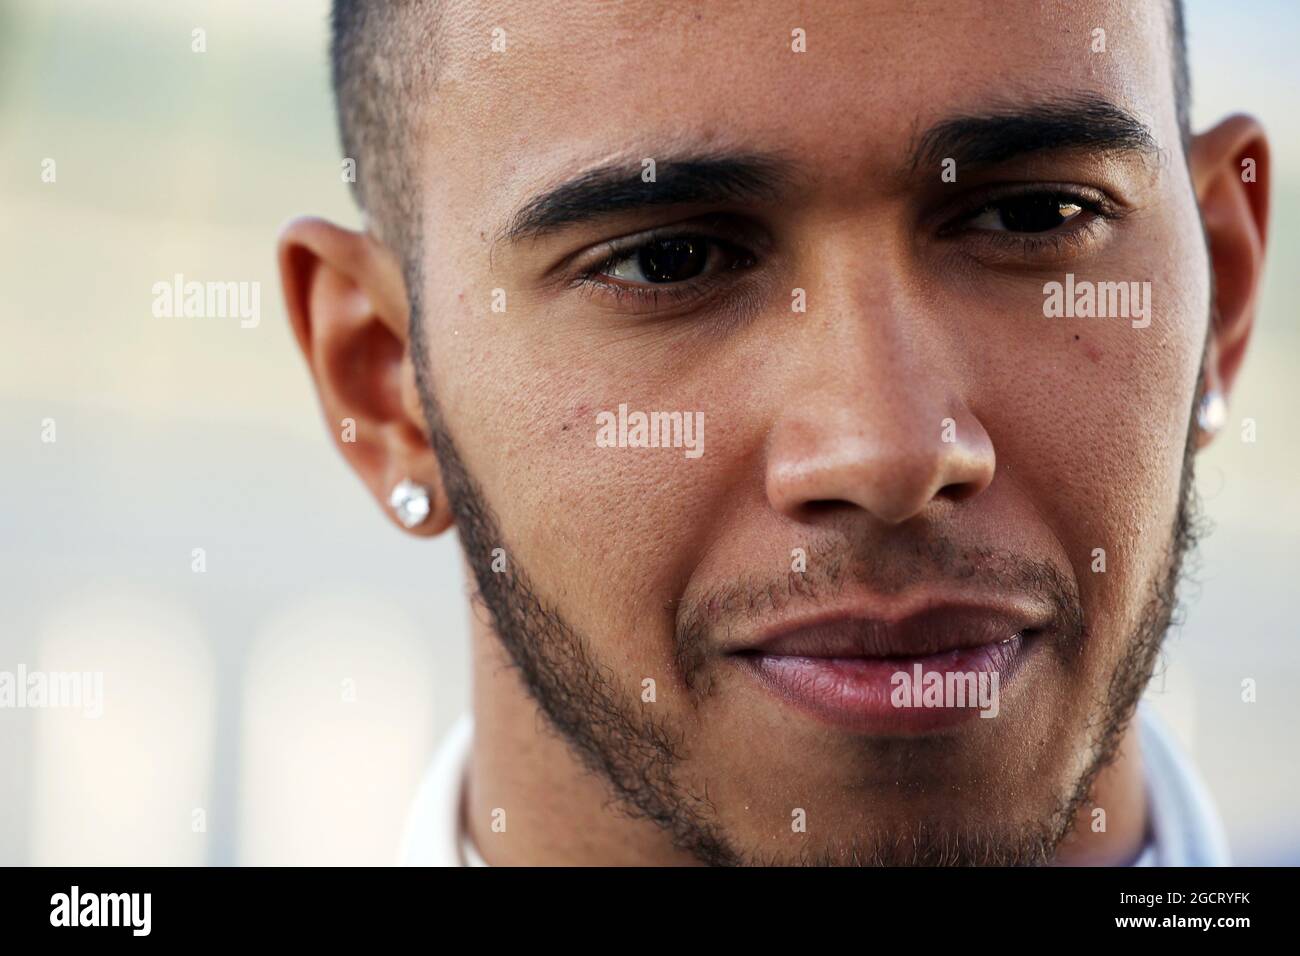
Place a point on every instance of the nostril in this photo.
(959, 491)
(822, 506)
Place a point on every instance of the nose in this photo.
(887, 469)
(890, 448)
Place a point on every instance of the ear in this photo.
(347, 303)
(1230, 173)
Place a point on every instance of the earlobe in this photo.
(347, 305)
(1230, 173)
(1211, 403)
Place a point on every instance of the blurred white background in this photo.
(289, 695)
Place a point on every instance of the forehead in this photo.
(580, 83)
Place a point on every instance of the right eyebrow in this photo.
(618, 187)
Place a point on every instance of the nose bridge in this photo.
(885, 363)
(865, 297)
(879, 421)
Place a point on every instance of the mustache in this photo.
(834, 566)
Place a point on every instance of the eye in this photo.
(672, 260)
(1029, 213)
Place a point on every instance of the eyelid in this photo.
(601, 268)
(667, 300)
(1093, 200)
(736, 230)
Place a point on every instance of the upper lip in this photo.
(931, 628)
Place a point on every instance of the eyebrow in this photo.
(619, 187)
(1086, 123)
(1090, 123)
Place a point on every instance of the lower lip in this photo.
(860, 694)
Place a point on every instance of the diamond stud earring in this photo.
(410, 502)
(1212, 413)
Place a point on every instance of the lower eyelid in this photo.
(601, 285)
(668, 299)
(1082, 222)
(1057, 243)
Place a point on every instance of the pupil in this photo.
(1036, 213)
(672, 260)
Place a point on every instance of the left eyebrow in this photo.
(619, 187)
(1089, 123)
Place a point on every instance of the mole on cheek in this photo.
(581, 413)
(1092, 351)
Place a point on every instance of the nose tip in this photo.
(892, 474)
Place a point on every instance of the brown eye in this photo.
(673, 260)
(1027, 214)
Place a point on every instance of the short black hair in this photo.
(384, 58)
(1182, 73)
(383, 62)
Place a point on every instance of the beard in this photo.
(640, 758)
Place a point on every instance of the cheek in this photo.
(606, 533)
(1097, 441)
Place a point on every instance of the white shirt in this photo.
(1184, 827)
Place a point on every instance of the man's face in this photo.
(917, 459)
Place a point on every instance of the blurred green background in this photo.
(228, 690)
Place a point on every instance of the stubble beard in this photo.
(639, 757)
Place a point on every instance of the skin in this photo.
(822, 428)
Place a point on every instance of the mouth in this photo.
(931, 670)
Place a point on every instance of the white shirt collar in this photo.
(435, 834)
(1185, 829)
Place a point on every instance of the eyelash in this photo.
(595, 281)
(1069, 237)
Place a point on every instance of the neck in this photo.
(1119, 790)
